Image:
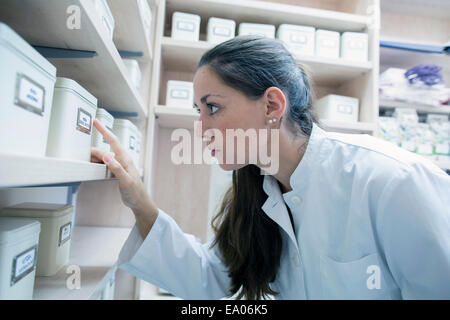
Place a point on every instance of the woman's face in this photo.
(223, 108)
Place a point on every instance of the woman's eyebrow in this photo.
(203, 99)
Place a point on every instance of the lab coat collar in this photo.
(274, 206)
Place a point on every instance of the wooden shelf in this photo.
(175, 117)
(349, 127)
(129, 32)
(43, 23)
(271, 13)
(96, 262)
(423, 108)
(20, 171)
(185, 55)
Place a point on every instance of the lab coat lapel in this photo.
(275, 207)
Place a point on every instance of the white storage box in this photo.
(220, 30)
(56, 231)
(337, 108)
(106, 16)
(126, 133)
(300, 40)
(138, 148)
(354, 46)
(19, 240)
(73, 113)
(134, 72)
(26, 92)
(327, 44)
(185, 26)
(146, 14)
(266, 30)
(105, 118)
(180, 94)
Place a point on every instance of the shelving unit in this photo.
(43, 23)
(97, 264)
(91, 57)
(421, 108)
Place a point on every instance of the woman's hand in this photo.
(131, 187)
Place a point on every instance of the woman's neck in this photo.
(291, 153)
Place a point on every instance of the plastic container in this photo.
(106, 16)
(146, 14)
(107, 120)
(26, 92)
(185, 26)
(71, 121)
(338, 108)
(354, 46)
(220, 30)
(138, 148)
(134, 72)
(126, 133)
(19, 240)
(266, 30)
(300, 40)
(180, 94)
(327, 44)
(56, 231)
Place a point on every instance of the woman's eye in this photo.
(213, 108)
(198, 110)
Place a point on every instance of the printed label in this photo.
(185, 26)
(342, 108)
(425, 149)
(442, 148)
(84, 121)
(23, 264)
(29, 95)
(221, 31)
(64, 233)
(328, 43)
(356, 44)
(132, 142)
(179, 94)
(298, 38)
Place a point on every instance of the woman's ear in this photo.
(275, 102)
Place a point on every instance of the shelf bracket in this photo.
(59, 53)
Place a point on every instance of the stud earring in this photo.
(270, 121)
(274, 120)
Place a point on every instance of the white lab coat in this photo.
(371, 221)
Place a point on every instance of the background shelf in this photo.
(184, 55)
(95, 250)
(423, 108)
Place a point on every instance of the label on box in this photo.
(298, 38)
(186, 26)
(425, 149)
(23, 264)
(328, 43)
(356, 44)
(221, 31)
(84, 120)
(343, 108)
(179, 94)
(64, 233)
(442, 148)
(29, 95)
(132, 142)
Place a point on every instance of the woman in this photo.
(345, 216)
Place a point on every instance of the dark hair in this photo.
(249, 241)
